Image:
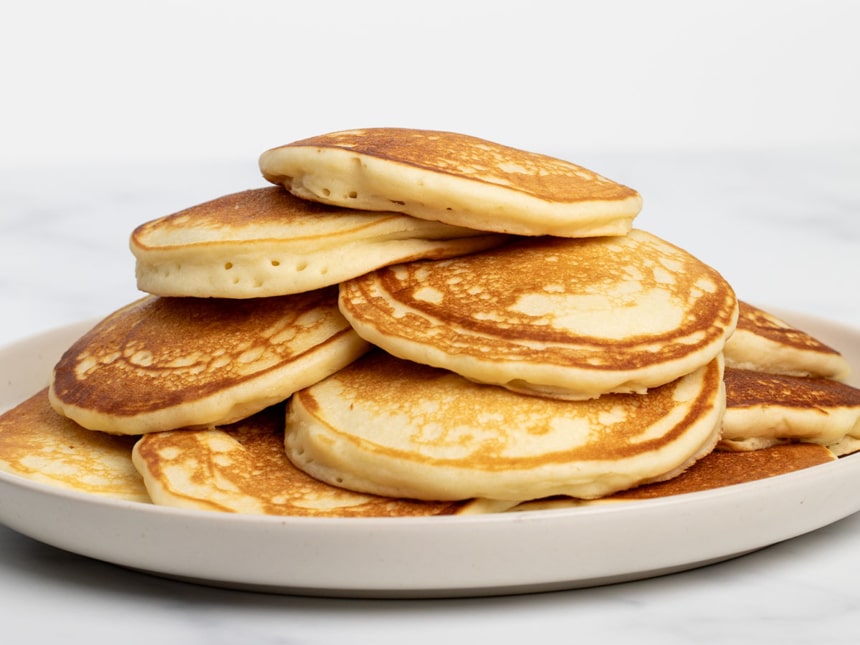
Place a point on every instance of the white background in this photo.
(112, 80)
(738, 121)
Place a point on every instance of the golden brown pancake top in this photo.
(257, 468)
(763, 324)
(476, 159)
(520, 294)
(238, 209)
(750, 388)
(160, 352)
(271, 209)
(383, 386)
(37, 443)
(727, 468)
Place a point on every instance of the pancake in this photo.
(391, 427)
(453, 178)
(38, 444)
(715, 470)
(555, 317)
(766, 409)
(265, 242)
(242, 468)
(167, 363)
(766, 343)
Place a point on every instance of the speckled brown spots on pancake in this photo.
(715, 470)
(266, 242)
(243, 468)
(606, 314)
(394, 427)
(164, 351)
(477, 159)
(453, 178)
(39, 444)
(523, 294)
(164, 363)
(748, 388)
(271, 204)
(764, 324)
(385, 387)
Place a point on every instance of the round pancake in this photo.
(392, 427)
(453, 178)
(166, 363)
(242, 468)
(41, 445)
(766, 343)
(556, 317)
(765, 409)
(714, 470)
(265, 242)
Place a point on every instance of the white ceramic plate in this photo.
(424, 557)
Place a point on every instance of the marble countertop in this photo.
(783, 227)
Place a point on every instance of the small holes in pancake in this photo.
(326, 192)
(352, 195)
(301, 266)
(228, 266)
(276, 263)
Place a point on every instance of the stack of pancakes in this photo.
(412, 322)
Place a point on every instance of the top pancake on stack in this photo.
(453, 178)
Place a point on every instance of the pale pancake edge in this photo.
(766, 343)
(401, 429)
(765, 409)
(265, 242)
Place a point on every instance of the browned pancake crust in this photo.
(475, 159)
(762, 324)
(36, 442)
(728, 468)
(263, 472)
(493, 281)
(255, 206)
(749, 388)
(164, 352)
(389, 386)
